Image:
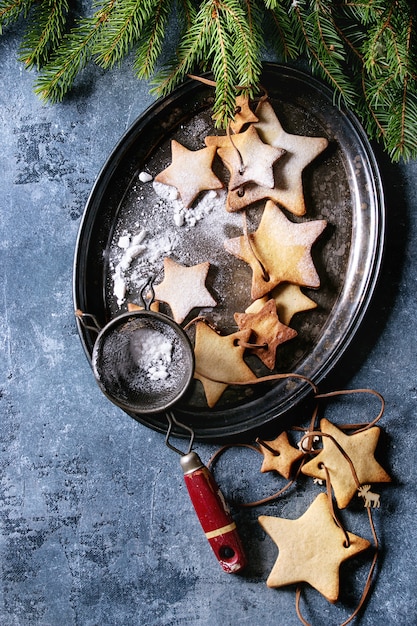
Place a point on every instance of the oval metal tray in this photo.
(342, 186)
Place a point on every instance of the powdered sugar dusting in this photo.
(152, 352)
(136, 254)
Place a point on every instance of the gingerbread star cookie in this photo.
(183, 288)
(360, 448)
(247, 158)
(190, 172)
(279, 455)
(219, 360)
(289, 300)
(311, 549)
(300, 151)
(268, 330)
(278, 251)
(132, 306)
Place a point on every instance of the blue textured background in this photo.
(96, 526)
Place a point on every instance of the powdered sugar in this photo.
(152, 352)
(135, 255)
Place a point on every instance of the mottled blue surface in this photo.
(96, 526)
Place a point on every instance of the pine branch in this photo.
(11, 10)
(222, 38)
(72, 56)
(120, 32)
(283, 30)
(191, 51)
(45, 32)
(366, 50)
(324, 47)
(152, 39)
(388, 69)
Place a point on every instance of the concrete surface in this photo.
(96, 526)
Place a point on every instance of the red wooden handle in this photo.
(213, 513)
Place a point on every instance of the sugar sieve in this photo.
(143, 362)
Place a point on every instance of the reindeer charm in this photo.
(369, 497)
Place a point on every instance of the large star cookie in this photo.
(219, 360)
(247, 157)
(190, 172)
(281, 249)
(268, 331)
(289, 300)
(300, 151)
(279, 455)
(311, 549)
(183, 288)
(360, 448)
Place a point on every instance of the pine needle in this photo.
(366, 50)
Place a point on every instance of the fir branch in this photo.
(224, 71)
(324, 47)
(283, 30)
(72, 56)
(45, 32)
(191, 51)
(187, 12)
(151, 39)
(11, 10)
(365, 49)
(121, 31)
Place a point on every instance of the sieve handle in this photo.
(213, 513)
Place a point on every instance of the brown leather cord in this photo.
(245, 505)
(336, 519)
(242, 166)
(357, 427)
(368, 581)
(265, 274)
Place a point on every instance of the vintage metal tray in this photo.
(342, 186)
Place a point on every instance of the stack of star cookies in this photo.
(263, 167)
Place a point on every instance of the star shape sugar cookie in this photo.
(279, 455)
(360, 448)
(300, 151)
(289, 300)
(280, 248)
(183, 288)
(268, 331)
(219, 360)
(247, 157)
(311, 549)
(190, 172)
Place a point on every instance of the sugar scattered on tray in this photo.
(145, 177)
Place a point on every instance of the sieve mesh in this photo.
(124, 364)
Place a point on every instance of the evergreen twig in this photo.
(366, 50)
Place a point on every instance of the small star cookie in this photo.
(247, 157)
(244, 114)
(219, 360)
(267, 329)
(280, 248)
(360, 448)
(289, 300)
(279, 455)
(311, 549)
(183, 288)
(190, 172)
